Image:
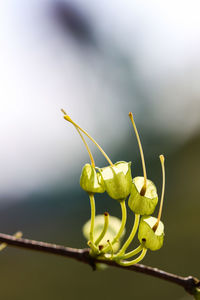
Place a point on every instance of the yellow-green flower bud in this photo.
(143, 205)
(91, 181)
(117, 180)
(112, 230)
(146, 235)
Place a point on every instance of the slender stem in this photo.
(67, 118)
(135, 261)
(87, 147)
(93, 211)
(131, 236)
(123, 223)
(105, 227)
(143, 189)
(162, 161)
(133, 252)
(111, 248)
(189, 283)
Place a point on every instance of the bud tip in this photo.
(130, 115)
(63, 111)
(162, 158)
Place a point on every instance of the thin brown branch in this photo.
(189, 283)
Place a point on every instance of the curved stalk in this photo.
(111, 248)
(67, 118)
(143, 189)
(135, 261)
(131, 236)
(86, 145)
(93, 211)
(133, 252)
(88, 149)
(105, 227)
(162, 161)
(123, 223)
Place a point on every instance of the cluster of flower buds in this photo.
(104, 232)
(115, 179)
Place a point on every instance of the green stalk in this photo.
(133, 252)
(92, 205)
(135, 261)
(131, 236)
(123, 223)
(101, 236)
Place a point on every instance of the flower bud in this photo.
(91, 181)
(117, 180)
(146, 235)
(143, 205)
(113, 228)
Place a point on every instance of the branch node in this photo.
(191, 284)
(89, 259)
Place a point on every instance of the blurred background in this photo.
(98, 60)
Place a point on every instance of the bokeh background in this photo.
(98, 60)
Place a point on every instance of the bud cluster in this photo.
(104, 232)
